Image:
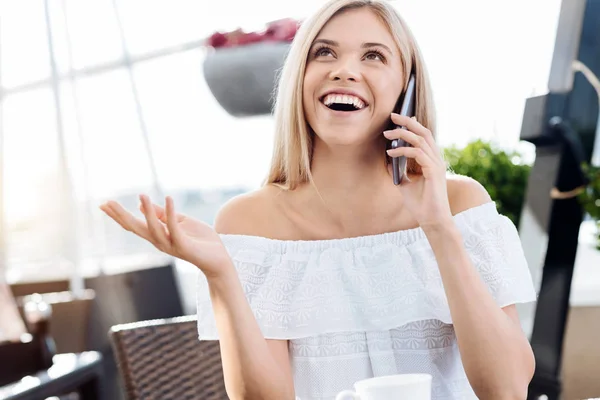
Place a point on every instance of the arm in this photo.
(254, 368)
(496, 354)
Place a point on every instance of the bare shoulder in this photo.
(465, 193)
(248, 213)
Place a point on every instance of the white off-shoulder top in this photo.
(368, 306)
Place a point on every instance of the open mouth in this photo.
(343, 102)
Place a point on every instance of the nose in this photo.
(345, 71)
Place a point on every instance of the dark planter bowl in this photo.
(242, 79)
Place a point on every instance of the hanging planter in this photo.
(242, 79)
(241, 69)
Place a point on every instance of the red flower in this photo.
(283, 30)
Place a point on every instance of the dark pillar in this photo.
(562, 125)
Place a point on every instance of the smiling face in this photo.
(353, 79)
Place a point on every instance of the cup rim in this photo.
(391, 380)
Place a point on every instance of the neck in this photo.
(348, 170)
(354, 192)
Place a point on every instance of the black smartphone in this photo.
(405, 106)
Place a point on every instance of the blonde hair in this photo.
(292, 153)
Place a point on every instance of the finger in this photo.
(155, 227)
(411, 124)
(174, 230)
(111, 214)
(117, 213)
(158, 210)
(413, 152)
(114, 216)
(411, 138)
(126, 219)
(161, 213)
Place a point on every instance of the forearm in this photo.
(250, 370)
(496, 354)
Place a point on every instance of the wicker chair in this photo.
(164, 360)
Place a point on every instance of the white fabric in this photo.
(372, 305)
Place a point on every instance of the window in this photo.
(106, 107)
(24, 43)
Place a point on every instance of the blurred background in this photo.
(107, 99)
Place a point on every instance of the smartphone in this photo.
(405, 106)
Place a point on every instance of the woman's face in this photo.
(353, 79)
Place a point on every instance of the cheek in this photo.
(308, 93)
(387, 88)
(387, 96)
(307, 103)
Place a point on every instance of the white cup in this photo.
(391, 387)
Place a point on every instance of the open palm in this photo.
(176, 234)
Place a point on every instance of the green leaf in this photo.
(505, 181)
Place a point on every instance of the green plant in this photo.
(502, 173)
(590, 197)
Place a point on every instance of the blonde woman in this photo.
(330, 273)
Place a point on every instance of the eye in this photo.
(374, 55)
(322, 51)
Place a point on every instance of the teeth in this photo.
(343, 99)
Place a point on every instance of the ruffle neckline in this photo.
(304, 288)
(403, 237)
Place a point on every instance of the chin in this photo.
(334, 136)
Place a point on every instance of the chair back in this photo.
(163, 359)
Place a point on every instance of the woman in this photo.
(330, 273)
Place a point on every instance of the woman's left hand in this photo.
(426, 196)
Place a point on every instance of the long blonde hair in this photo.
(292, 152)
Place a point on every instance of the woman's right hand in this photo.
(175, 234)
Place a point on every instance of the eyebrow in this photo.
(364, 45)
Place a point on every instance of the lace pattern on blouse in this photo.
(299, 289)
